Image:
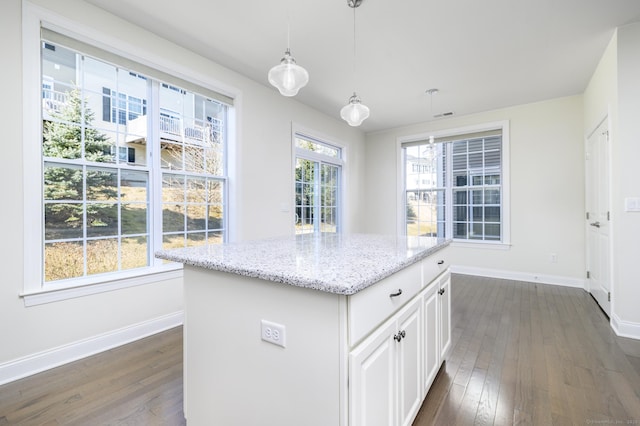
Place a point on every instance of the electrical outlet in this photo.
(273, 333)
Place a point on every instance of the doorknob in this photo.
(596, 224)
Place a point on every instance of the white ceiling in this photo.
(480, 54)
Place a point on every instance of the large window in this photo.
(454, 187)
(130, 164)
(318, 173)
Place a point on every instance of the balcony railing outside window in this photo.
(52, 100)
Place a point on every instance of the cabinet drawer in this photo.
(374, 304)
(433, 266)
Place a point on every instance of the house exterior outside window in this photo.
(456, 186)
(318, 185)
(121, 177)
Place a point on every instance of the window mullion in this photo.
(316, 196)
(448, 151)
(155, 171)
(338, 196)
(84, 217)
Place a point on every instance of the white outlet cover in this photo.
(273, 333)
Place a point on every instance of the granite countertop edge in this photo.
(298, 280)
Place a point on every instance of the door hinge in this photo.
(588, 274)
(587, 215)
(608, 215)
(609, 296)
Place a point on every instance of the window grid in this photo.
(476, 193)
(98, 193)
(425, 193)
(193, 210)
(306, 171)
(454, 189)
(317, 186)
(329, 197)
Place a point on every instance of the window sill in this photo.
(55, 294)
(481, 245)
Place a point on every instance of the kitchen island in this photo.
(317, 329)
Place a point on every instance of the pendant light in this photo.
(288, 76)
(355, 112)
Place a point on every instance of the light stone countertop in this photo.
(340, 264)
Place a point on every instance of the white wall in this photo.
(601, 95)
(261, 184)
(626, 181)
(547, 189)
(265, 164)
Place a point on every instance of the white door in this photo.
(372, 379)
(598, 216)
(409, 363)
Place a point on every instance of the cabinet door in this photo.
(431, 327)
(409, 350)
(445, 315)
(372, 379)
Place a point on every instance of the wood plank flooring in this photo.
(522, 353)
(526, 353)
(135, 384)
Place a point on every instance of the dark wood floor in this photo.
(522, 353)
(526, 353)
(136, 384)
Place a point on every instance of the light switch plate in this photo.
(632, 204)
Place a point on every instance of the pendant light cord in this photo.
(287, 5)
(354, 49)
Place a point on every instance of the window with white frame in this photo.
(135, 180)
(318, 176)
(120, 108)
(454, 186)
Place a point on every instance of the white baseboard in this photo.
(519, 276)
(36, 363)
(625, 328)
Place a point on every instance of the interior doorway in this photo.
(598, 217)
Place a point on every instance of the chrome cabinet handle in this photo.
(396, 294)
(441, 291)
(596, 224)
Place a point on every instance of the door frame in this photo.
(603, 300)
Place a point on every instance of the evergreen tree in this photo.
(63, 137)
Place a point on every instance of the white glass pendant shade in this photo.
(354, 112)
(288, 76)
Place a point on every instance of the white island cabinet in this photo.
(313, 330)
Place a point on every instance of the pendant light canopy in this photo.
(355, 112)
(288, 76)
